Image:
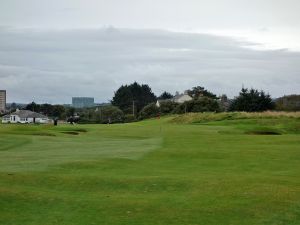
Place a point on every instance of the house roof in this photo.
(180, 96)
(27, 114)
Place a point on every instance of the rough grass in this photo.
(207, 117)
(151, 172)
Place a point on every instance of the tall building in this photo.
(82, 102)
(2, 100)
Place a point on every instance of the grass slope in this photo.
(151, 172)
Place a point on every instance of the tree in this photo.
(13, 106)
(58, 111)
(70, 112)
(252, 101)
(165, 95)
(199, 91)
(132, 98)
(46, 109)
(33, 107)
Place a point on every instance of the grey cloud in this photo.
(54, 65)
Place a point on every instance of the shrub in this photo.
(111, 114)
(105, 114)
(129, 118)
(149, 111)
(203, 104)
(167, 107)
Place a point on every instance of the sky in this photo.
(53, 50)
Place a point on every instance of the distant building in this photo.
(82, 102)
(2, 100)
(224, 103)
(25, 116)
(181, 98)
(288, 103)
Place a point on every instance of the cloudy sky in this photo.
(53, 50)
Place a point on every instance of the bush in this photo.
(167, 107)
(203, 104)
(105, 114)
(129, 118)
(111, 114)
(149, 111)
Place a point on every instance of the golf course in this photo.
(190, 169)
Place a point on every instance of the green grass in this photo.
(169, 171)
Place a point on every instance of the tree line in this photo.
(137, 101)
(140, 101)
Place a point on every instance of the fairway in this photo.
(225, 171)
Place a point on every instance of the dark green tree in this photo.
(165, 95)
(33, 107)
(13, 106)
(70, 112)
(132, 98)
(58, 112)
(46, 109)
(252, 100)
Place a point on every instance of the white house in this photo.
(181, 98)
(25, 116)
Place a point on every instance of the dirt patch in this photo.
(263, 132)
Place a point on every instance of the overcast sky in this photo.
(53, 50)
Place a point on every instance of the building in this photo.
(288, 103)
(25, 116)
(82, 102)
(2, 100)
(181, 98)
(224, 103)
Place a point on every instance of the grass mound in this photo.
(265, 123)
